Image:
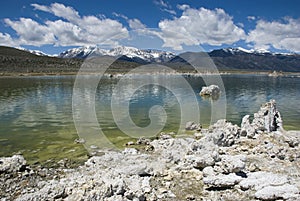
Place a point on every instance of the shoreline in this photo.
(233, 72)
(258, 160)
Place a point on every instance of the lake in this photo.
(36, 116)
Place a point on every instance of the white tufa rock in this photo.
(212, 90)
(12, 164)
(192, 126)
(267, 118)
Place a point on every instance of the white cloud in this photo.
(136, 24)
(165, 6)
(172, 12)
(30, 32)
(251, 18)
(6, 40)
(200, 26)
(41, 7)
(60, 10)
(161, 3)
(71, 29)
(120, 15)
(183, 7)
(281, 35)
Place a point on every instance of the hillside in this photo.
(14, 60)
(19, 61)
(255, 61)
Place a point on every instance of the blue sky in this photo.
(175, 25)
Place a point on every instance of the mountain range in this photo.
(135, 54)
(17, 60)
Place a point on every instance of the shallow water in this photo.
(36, 112)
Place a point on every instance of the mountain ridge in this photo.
(237, 59)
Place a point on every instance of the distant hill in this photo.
(241, 60)
(14, 60)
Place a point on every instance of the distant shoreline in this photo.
(20, 74)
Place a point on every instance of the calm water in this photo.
(36, 112)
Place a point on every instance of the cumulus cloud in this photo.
(60, 10)
(71, 30)
(280, 35)
(200, 26)
(6, 40)
(30, 30)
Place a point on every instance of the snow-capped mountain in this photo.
(36, 52)
(240, 50)
(243, 50)
(129, 52)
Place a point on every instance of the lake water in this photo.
(36, 116)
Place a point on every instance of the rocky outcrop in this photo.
(212, 91)
(12, 164)
(223, 133)
(219, 163)
(192, 126)
(267, 119)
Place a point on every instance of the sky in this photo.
(173, 25)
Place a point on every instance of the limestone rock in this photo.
(246, 128)
(268, 118)
(212, 90)
(224, 133)
(222, 180)
(285, 192)
(259, 180)
(12, 164)
(192, 126)
(231, 164)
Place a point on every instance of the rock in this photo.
(231, 164)
(224, 133)
(201, 154)
(259, 180)
(192, 126)
(130, 143)
(79, 141)
(198, 135)
(246, 128)
(285, 192)
(268, 118)
(164, 136)
(12, 164)
(130, 151)
(222, 180)
(212, 90)
(143, 141)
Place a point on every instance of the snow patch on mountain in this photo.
(36, 52)
(130, 52)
